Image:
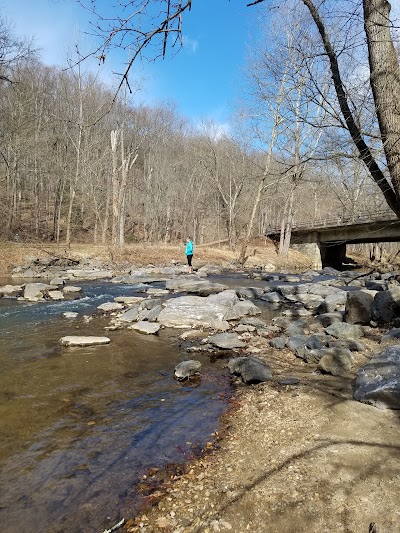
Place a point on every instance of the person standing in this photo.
(189, 253)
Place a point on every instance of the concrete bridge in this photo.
(324, 241)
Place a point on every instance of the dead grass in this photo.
(260, 254)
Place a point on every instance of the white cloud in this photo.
(189, 44)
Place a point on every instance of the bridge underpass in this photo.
(325, 241)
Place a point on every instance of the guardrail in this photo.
(330, 222)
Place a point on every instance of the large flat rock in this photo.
(73, 340)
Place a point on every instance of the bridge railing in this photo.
(335, 221)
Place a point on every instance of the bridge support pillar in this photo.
(311, 250)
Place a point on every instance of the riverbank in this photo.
(304, 458)
(261, 253)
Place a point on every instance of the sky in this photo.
(204, 79)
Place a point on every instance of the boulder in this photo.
(202, 287)
(11, 290)
(226, 341)
(336, 361)
(250, 293)
(378, 382)
(386, 305)
(148, 328)
(188, 311)
(250, 369)
(342, 330)
(59, 282)
(272, 297)
(73, 340)
(326, 319)
(187, 369)
(359, 306)
(34, 291)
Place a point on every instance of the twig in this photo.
(360, 276)
(114, 528)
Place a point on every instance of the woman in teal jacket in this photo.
(189, 253)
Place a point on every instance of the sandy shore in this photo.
(304, 458)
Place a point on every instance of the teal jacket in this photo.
(189, 248)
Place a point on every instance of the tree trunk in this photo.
(385, 82)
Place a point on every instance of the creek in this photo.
(79, 427)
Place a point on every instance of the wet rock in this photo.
(226, 341)
(250, 369)
(336, 361)
(359, 306)
(71, 289)
(187, 369)
(109, 307)
(147, 328)
(378, 382)
(73, 340)
(342, 330)
(56, 295)
(70, 314)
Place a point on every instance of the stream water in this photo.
(80, 426)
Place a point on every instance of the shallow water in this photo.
(79, 426)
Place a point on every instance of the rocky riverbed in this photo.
(315, 446)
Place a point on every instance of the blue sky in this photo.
(204, 78)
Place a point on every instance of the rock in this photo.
(272, 297)
(350, 344)
(250, 369)
(386, 305)
(243, 328)
(70, 314)
(188, 311)
(246, 308)
(342, 330)
(156, 292)
(34, 291)
(58, 281)
(269, 267)
(393, 333)
(83, 341)
(148, 328)
(108, 307)
(337, 362)
(11, 290)
(130, 315)
(56, 295)
(256, 322)
(187, 369)
(129, 300)
(297, 342)
(326, 319)
(376, 285)
(151, 303)
(249, 292)
(359, 306)
(191, 285)
(90, 274)
(278, 342)
(378, 382)
(71, 289)
(226, 341)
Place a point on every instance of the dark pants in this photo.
(189, 259)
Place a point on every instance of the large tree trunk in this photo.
(366, 155)
(385, 82)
